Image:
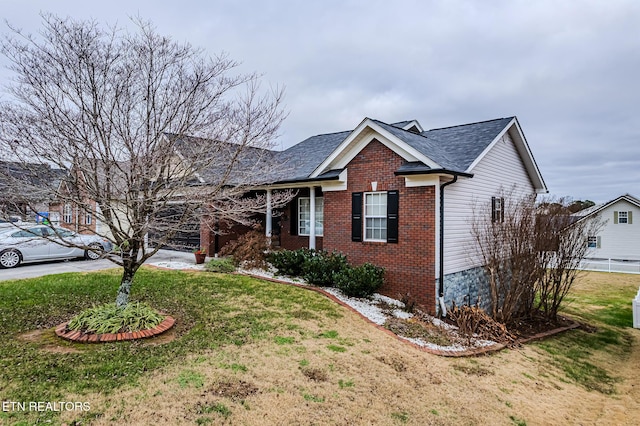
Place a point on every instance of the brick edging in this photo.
(454, 354)
(79, 337)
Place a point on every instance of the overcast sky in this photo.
(569, 70)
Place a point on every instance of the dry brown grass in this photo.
(362, 375)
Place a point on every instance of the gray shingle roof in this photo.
(453, 148)
(302, 159)
(463, 144)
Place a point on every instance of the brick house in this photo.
(401, 198)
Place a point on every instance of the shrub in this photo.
(360, 281)
(249, 250)
(223, 265)
(289, 262)
(321, 267)
(111, 319)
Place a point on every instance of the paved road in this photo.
(32, 270)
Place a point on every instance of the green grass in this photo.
(604, 302)
(211, 311)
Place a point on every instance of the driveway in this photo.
(32, 270)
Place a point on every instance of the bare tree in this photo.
(531, 253)
(562, 241)
(504, 241)
(153, 131)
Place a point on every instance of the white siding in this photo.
(622, 240)
(500, 169)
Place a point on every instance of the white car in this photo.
(41, 243)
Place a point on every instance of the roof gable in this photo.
(456, 149)
(591, 211)
(394, 138)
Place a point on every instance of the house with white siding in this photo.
(402, 197)
(619, 237)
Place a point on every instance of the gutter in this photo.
(443, 308)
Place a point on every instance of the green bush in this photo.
(360, 281)
(109, 318)
(223, 265)
(289, 262)
(321, 267)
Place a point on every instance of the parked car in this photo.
(42, 243)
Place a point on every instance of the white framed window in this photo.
(88, 218)
(375, 216)
(593, 242)
(67, 213)
(623, 217)
(304, 216)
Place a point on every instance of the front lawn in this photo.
(246, 351)
(211, 311)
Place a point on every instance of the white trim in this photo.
(421, 180)
(269, 216)
(352, 145)
(411, 124)
(302, 234)
(365, 216)
(312, 218)
(522, 147)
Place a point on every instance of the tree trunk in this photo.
(125, 288)
(129, 265)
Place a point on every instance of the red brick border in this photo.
(455, 354)
(79, 337)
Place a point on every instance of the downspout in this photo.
(443, 308)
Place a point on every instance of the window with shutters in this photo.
(623, 217)
(375, 216)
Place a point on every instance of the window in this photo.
(304, 216)
(380, 221)
(87, 217)
(593, 242)
(67, 214)
(623, 217)
(375, 216)
(497, 209)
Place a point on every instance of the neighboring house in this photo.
(79, 217)
(619, 237)
(402, 198)
(23, 190)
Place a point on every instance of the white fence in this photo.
(636, 310)
(611, 265)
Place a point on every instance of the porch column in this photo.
(269, 218)
(312, 217)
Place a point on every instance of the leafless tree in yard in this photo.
(506, 247)
(155, 132)
(531, 253)
(562, 240)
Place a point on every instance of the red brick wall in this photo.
(409, 264)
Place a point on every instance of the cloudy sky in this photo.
(569, 70)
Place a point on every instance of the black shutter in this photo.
(493, 209)
(501, 209)
(392, 216)
(356, 216)
(293, 217)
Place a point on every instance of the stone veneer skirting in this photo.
(77, 336)
(467, 287)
